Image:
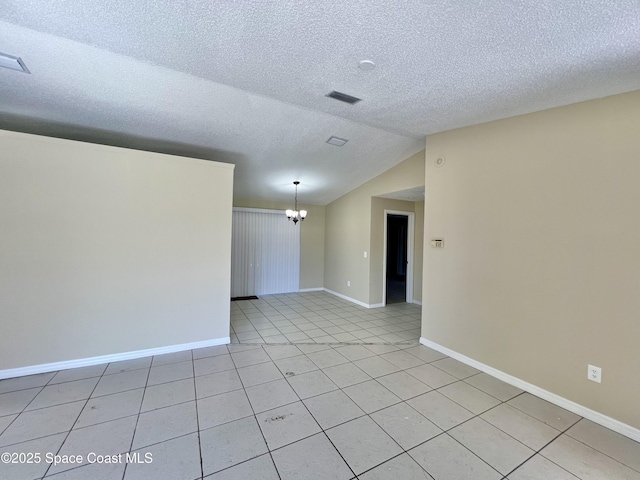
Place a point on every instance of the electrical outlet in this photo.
(365, 254)
(348, 283)
(594, 373)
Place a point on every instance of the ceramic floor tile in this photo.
(40, 423)
(128, 365)
(346, 374)
(311, 384)
(306, 349)
(371, 396)
(376, 366)
(288, 329)
(495, 447)
(78, 373)
(354, 352)
(456, 368)
(469, 397)
(268, 396)
(34, 467)
(315, 333)
(539, 468)
(177, 459)
(171, 372)
(295, 365)
(310, 459)
(63, 393)
(176, 357)
(402, 359)
(585, 462)
(275, 339)
(250, 357)
(260, 468)
(425, 354)
(284, 425)
(110, 438)
(327, 358)
(404, 385)
(103, 471)
(215, 364)
(259, 373)
(405, 425)
(229, 444)
(209, 351)
(121, 382)
(552, 415)
(15, 402)
(533, 433)
(333, 408)
(110, 407)
(248, 336)
(445, 459)
(440, 410)
(381, 349)
(363, 444)
(282, 351)
(223, 408)
(216, 383)
(494, 387)
(432, 376)
(26, 382)
(6, 421)
(402, 467)
(618, 447)
(165, 423)
(167, 394)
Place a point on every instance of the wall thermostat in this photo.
(437, 242)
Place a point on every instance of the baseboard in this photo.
(596, 417)
(353, 300)
(316, 289)
(417, 302)
(116, 357)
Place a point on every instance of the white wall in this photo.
(106, 250)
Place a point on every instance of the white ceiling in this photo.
(244, 81)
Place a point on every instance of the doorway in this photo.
(398, 257)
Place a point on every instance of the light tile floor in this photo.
(319, 317)
(306, 411)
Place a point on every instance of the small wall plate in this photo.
(440, 161)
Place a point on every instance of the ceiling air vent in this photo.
(14, 63)
(343, 97)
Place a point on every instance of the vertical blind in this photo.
(265, 253)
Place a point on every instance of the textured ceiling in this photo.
(244, 81)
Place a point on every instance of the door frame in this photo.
(410, 254)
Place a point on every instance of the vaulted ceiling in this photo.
(245, 81)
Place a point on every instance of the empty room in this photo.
(319, 240)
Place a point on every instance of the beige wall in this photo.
(348, 231)
(541, 266)
(106, 250)
(311, 238)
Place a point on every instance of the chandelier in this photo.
(296, 214)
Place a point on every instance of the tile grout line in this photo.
(254, 414)
(76, 420)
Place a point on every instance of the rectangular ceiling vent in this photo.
(14, 63)
(343, 97)
(337, 141)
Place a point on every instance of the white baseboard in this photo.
(417, 302)
(596, 417)
(116, 357)
(316, 289)
(353, 300)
